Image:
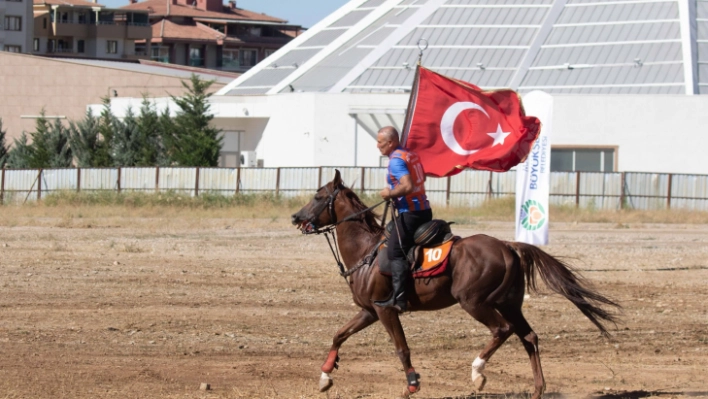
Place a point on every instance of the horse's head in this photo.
(319, 212)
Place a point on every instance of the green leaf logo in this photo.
(533, 216)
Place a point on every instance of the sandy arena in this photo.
(152, 308)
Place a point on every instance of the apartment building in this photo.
(78, 28)
(16, 25)
(210, 34)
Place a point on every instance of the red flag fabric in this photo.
(455, 125)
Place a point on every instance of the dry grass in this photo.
(101, 209)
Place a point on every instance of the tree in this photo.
(59, 148)
(40, 150)
(193, 142)
(166, 127)
(150, 149)
(107, 124)
(20, 155)
(85, 140)
(3, 146)
(125, 141)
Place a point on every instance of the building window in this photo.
(229, 59)
(160, 54)
(269, 52)
(35, 44)
(582, 159)
(13, 23)
(112, 47)
(248, 57)
(44, 23)
(50, 45)
(80, 46)
(16, 1)
(196, 56)
(13, 49)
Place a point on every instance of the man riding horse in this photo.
(406, 187)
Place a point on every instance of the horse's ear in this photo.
(337, 178)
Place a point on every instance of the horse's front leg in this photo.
(389, 319)
(362, 320)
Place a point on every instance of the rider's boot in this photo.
(399, 276)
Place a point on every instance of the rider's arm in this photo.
(399, 169)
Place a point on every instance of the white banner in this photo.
(533, 176)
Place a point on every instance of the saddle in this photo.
(433, 243)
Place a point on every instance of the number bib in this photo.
(433, 256)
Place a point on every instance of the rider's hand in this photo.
(385, 193)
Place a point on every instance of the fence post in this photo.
(362, 180)
(577, 189)
(277, 182)
(238, 178)
(490, 192)
(39, 184)
(668, 194)
(319, 178)
(623, 195)
(447, 192)
(196, 183)
(78, 180)
(157, 179)
(118, 182)
(2, 188)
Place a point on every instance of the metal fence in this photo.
(614, 190)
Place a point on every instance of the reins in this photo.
(331, 229)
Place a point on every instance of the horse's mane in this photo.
(371, 219)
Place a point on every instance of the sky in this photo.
(299, 12)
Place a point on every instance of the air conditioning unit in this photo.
(248, 159)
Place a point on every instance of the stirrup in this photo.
(400, 306)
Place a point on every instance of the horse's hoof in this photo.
(479, 382)
(325, 383)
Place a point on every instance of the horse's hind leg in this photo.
(501, 330)
(530, 341)
(362, 320)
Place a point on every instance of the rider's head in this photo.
(387, 140)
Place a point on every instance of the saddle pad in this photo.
(430, 261)
(433, 260)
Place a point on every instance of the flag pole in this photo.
(422, 46)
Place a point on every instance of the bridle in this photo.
(331, 229)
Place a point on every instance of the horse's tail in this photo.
(562, 279)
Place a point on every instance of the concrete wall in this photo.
(652, 133)
(661, 133)
(30, 83)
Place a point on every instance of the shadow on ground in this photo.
(596, 395)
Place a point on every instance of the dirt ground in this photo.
(152, 308)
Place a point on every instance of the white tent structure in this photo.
(626, 75)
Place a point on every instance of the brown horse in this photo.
(486, 276)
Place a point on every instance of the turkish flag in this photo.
(453, 125)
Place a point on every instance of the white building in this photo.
(16, 25)
(626, 76)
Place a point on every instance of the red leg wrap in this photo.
(331, 363)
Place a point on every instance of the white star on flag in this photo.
(498, 136)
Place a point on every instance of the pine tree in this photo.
(150, 148)
(60, 150)
(125, 141)
(107, 124)
(3, 146)
(41, 150)
(193, 142)
(166, 127)
(85, 140)
(20, 156)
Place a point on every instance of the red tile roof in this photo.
(166, 29)
(67, 3)
(166, 8)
